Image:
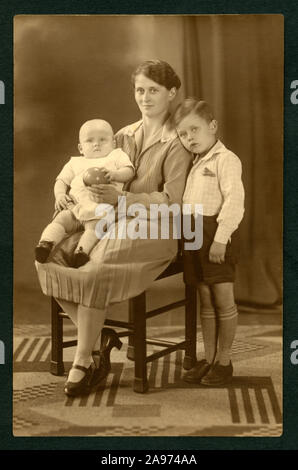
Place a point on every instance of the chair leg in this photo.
(57, 366)
(138, 312)
(131, 347)
(190, 357)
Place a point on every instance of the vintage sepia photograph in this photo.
(148, 210)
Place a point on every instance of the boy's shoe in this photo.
(80, 258)
(218, 375)
(195, 374)
(42, 251)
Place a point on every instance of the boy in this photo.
(76, 209)
(215, 182)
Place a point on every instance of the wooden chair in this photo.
(135, 329)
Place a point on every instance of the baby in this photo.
(75, 207)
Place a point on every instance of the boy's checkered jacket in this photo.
(215, 182)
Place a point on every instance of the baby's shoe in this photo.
(80, 258)
(42, 251)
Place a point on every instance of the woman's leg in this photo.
(89, 322)
(72, 311)
(227, 318)
(70, 308)
(208, 322)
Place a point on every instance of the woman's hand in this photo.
(105, 193)
(217, 252)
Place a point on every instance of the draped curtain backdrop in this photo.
(72, 68)
(236, 64)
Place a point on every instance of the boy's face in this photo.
(96, 141)
(196, 134)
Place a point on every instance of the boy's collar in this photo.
(166, 135)
(216, 148)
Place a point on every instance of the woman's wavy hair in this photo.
(159, 71)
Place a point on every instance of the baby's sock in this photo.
(209, 331)
(53, 233)
(228, 318)
(88, 241)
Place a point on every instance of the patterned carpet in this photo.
(249, 406)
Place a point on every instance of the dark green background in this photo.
(289, 8)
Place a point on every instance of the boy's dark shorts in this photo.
(198, 268)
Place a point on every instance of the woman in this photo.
(122, 268)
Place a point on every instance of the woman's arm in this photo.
(175, 170)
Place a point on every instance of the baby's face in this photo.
(96, 142)
(196, 134)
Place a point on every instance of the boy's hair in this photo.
(158, 71)
(192, 105)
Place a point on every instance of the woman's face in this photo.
(152, 99)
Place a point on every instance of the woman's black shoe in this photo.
(109, 340)
(102, 369)
(42, 251)
(74, 389)
(96, 357)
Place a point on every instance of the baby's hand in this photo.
(217, 252)
(110, 175)
(62, 202)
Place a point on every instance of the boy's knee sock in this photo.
(228, 318)
(54, 232)
(87, 241)
(209, 331)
